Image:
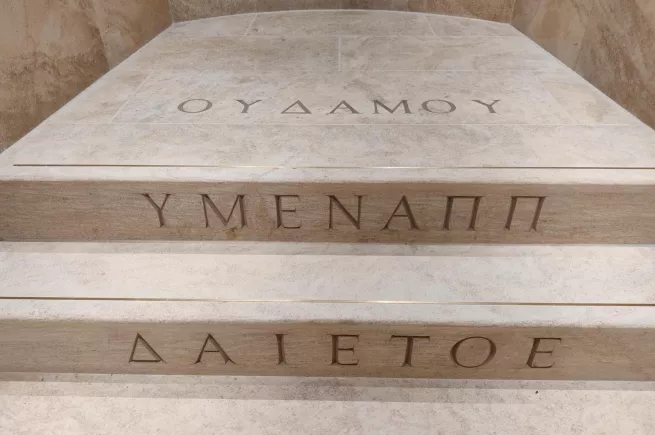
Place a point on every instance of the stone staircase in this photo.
(255, 197)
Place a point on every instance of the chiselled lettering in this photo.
(345, 105)
(449, 211)
(489, 106)
(281, 358)
(337, 349)
(408, 214)
(158, 208)
(207, 202)
(536, 350)
(490, 355)
(426, 106)
(335, 201)
(217, 349)
(537, 211)
(205, 107)
(409, 348)
(246, 106)
(280, 211)
(299, 110)
(377, 104)
(141, 343)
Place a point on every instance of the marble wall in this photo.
(495, 10)
(608, 42)
(50, 50)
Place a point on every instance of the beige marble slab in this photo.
(288, 272)
(242, 53)
(586, 104)
(444, 25)
(443, 53)
(340, 146)
(234, 25)
(99, 103)
(341, 23)
(226, 405)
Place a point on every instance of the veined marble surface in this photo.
(326, 92)
(131, 404)
(259, 282)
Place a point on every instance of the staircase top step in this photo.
(260, 282)
(350, 96)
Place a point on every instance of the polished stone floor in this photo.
(143, 405)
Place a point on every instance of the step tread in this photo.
(212, 405)
(519, 285)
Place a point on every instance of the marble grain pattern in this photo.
(53, 49)
(495, 10)
(18, 110)
(125, 25)
(172, 51)
(622, 37)
(437, 53)
(557, 25)
(458, 26)
(609, 43)
(445, 146)
(69, 50)
(105, 404)
(290, 272)
(341, 23)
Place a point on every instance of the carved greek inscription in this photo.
(436, 105)
(346, 213)
(377, 104)
(535, 350)
(449, 210)
(537, 211)
(488, 106)
(426, 107)
(299, 106)
(337, 349)
(345, 105)
(158, 208)
(281, 359)
(490, 355)
(217, 349)
(408, 214)
(206, 201)
(139, 345)
(246, 106)
(280, 210)
(409, 349)
(203, 107)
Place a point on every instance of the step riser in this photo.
(401, 212)
(337, 349)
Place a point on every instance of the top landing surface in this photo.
(335, 91)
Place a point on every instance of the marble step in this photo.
(228, 308)
(335, 126)
(144, 405)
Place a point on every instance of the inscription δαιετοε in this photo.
(479, 351)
